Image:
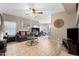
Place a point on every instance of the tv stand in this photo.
(71, 46)
(72, 43)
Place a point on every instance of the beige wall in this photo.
(20, 21)
(69, 21)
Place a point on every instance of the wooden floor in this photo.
(45, 47)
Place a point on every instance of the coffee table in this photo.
(32, 41)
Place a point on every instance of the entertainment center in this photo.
(72, 43)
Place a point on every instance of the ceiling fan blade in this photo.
(40, 12)
(33, 12)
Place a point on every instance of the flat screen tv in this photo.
(35, 29)
(73, 33)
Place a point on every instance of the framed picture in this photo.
(59, 23)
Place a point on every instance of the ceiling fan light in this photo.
(33, 14)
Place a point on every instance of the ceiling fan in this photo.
(33, 12)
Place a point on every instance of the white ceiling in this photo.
(20, 9)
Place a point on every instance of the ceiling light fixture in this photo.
(33, 12)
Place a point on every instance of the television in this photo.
(35, 30)
(73, 33)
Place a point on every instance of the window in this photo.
(10, 27)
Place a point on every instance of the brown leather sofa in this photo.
(21, 36)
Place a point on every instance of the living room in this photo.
(36, 31)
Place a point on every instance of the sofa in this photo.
(21, 36)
